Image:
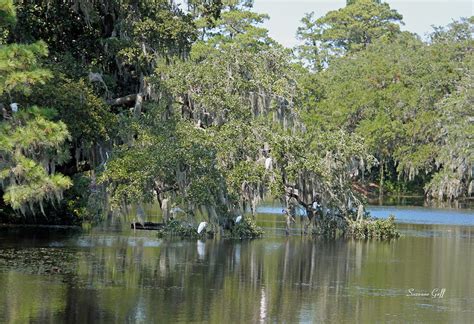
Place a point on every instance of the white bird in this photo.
(201, 226)
(238, 219)
(14, 107)
(268, 163)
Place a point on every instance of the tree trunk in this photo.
(381, 180)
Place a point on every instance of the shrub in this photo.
(178, 228)
(373, 228)
(247, 228)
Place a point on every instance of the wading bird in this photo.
(201, 226)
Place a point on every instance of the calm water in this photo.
(111, 274)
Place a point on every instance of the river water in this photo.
(112, 274)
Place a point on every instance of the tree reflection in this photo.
(124, 278)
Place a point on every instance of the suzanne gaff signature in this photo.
(435, 293)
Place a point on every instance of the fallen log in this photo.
(150, 226)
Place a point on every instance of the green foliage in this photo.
(84, 201)
(373, 228)
(7, 13)
(231, 133)
(221, 81)
(329, 227)
(390, 95)
(30, 148)
(7, 19)
(31, 145)
(121, 40)
(88, 118)
(246, 229)
(205, 151)
(458, 32)
(166, 157)
(398, 188)
(201, 109)
(19, 67)
(322, 164)
(182, 229)
(122, 43)
(349, 29)
(241, 27)
(19, 63)
(455, 151)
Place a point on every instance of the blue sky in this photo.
(418, 15)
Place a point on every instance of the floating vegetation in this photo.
(39, 261)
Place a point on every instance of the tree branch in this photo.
(128, 100)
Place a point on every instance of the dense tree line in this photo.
(111, 104)
(395, 94)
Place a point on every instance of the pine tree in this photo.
(31, 144)
(347, 30)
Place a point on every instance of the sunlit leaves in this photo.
(348, 29)
(19, 68)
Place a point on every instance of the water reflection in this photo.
(201, 249)
(138, 278)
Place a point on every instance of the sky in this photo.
(418, 15)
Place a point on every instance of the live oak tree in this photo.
(208, 101)
(227, 132)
